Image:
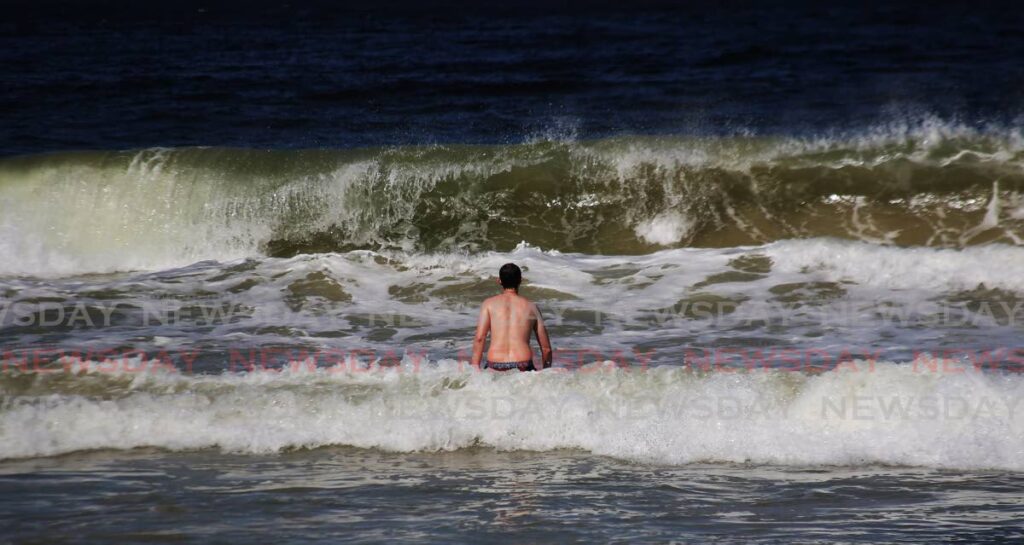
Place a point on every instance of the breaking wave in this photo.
(931, 183)
(862, 413)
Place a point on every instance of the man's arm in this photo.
(483, 327)
(542, 337)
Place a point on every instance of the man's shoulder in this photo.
(527, 304)
(490, 300)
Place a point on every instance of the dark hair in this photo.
(510, 275)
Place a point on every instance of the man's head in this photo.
(510, 276)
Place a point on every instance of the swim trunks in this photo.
(525, 365)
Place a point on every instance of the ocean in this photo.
(779, 250)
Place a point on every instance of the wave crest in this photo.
(933, 183)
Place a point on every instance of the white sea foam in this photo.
(664, 229)
(864, 413)
(891, 267)
(864, 294)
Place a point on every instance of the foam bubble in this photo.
(665, 229)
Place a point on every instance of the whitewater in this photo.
(864, 413)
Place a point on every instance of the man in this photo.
(510, 319)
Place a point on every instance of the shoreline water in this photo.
(358, 496)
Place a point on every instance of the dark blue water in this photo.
(112, 75)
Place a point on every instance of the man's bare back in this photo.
(510, 319)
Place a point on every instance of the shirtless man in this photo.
(510, 319)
